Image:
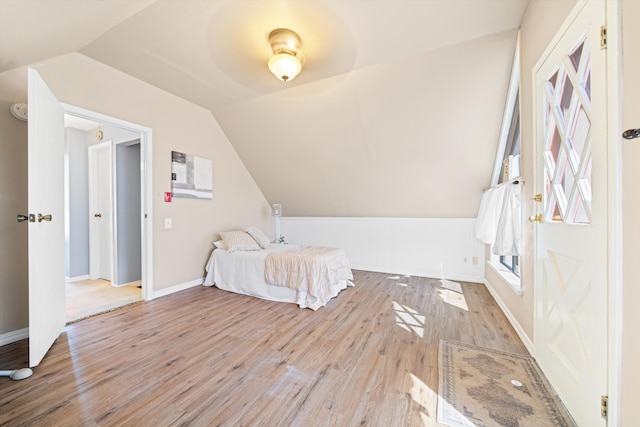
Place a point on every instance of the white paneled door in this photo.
(46, 231)
(100, 208)
(570, 339)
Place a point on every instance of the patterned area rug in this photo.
(484, 387)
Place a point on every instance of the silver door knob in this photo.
(44, 217)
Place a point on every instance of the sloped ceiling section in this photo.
(396, 112)
(413, 137)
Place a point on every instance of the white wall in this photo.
(631, 213)
(77, 203)
(14, 297)
(179, 254)
(128, 213)
(442, 248)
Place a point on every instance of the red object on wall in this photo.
(167, 196)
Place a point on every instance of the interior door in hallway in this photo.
(100, 211)
(570, 338)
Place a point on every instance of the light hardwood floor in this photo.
(205, 357)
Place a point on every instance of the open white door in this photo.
(46, 226)
(571, 340)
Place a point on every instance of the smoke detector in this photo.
(19, 111)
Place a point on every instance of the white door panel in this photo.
(46, 238)
(570, 329)
(100, 206)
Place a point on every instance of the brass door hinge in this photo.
(603, 37)
(604, 406)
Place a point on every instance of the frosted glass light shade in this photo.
(285, 66)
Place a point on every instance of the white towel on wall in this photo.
(509, 230)
(489, 214)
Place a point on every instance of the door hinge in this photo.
(604, 406)
(603, 37)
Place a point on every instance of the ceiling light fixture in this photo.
(287, 59)
(99, 134)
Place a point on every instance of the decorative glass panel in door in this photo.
(567, 155)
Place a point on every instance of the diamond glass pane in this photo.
(563, 183)
(578, 212)
(553, 150)
(567, 96)
(584, 183)
(556, 214)
(587, 84)
(552, 80)
(578, 139)
(575, 56)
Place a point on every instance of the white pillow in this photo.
(219, 244)
(258, 236)
(238, 241)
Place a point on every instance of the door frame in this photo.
(94, 234)
(613, 22)
(614, 153)
(146, 181)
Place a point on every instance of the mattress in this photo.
(243, 272)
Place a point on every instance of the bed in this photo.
(305, 275)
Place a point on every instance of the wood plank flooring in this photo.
(206, 357)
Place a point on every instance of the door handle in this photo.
(536, 218)
(98, 215)
(23, 218)
(44, 217)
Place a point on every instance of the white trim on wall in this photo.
(512, 319)
(177, 288)
(13, 336)
(442, 248)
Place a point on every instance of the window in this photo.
(507, 164)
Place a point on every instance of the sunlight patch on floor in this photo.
(409, 319)
(451, 293)
(421, 394)
(398, 278)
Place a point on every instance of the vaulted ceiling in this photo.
(396, 112)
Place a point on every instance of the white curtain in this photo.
(499, 220)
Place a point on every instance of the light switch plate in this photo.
(168, 223)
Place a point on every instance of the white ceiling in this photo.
(388, 84)
(214, 52)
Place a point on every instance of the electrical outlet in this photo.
(168, 223)
(474, 260)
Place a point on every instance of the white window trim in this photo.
(512, 94)
(509, 278)
(494, 263)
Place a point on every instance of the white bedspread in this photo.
(313, 269)
(243, 272)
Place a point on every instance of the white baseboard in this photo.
(134, 283)
(511, 318)
(77, 278)
(11, 337)
(177, 288)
